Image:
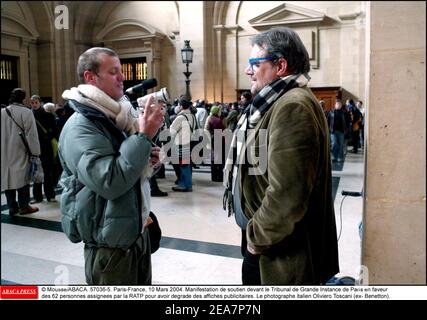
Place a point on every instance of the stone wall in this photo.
(394, 246)
(218, 31)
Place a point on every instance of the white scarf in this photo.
(120, 111)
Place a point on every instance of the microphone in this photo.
(142, 87)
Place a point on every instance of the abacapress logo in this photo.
(19, 292)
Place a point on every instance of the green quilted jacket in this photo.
(101, 199)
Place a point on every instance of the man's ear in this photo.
(89, 77)
(282, 65)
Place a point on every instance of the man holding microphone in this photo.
(106, 152)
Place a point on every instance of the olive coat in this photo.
(289, 200)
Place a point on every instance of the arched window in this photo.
(134, 70)
(8, 76)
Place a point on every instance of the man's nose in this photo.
(248, 70)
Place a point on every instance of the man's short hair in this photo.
(17, 95)
(89, 60)
(284, 43)
(186, 104)
(247, 95)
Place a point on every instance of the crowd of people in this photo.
(346, 127)
(110, 157)
(199, 124)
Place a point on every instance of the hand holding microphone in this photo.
(152, 118)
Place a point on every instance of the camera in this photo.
(161, 95)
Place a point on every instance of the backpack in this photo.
(195, 138)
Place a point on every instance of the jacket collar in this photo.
(88, 112)
(98, 116)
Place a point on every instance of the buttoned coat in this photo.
(286, 192)
(15, 163)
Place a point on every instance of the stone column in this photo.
(33, 66)
(230, 83)
(191, 21)
(218, 64)
(63, 55)
(24, 65)
(46, 62)
(178, 87)
(394, 245)
(156, 59)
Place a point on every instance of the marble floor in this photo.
(200, 244)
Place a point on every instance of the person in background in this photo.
(282, 195)
(361, 108)
(57, 169)
(346, 109)
(17, 119)
(215, 126)
(107, 155)
(161, 173)
(233, 117)
(63, 114)
(181, 130)
(154, 186)
(201, 114)
(47, 130)
(338, 129)
(323, 106)
(245, 101)
(356, 123)
(50, 108)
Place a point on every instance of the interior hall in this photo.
(362, 51)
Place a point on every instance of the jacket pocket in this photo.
(69, 216)
(110, 258)
(257, 159)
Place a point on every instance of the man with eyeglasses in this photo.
(278, 171)
(105, 150)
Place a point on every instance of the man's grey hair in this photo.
(89, 60)
(49, 107)
(284, 43)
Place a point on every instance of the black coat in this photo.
(47, 130)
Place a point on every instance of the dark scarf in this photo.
(259, 107)
(267, 96)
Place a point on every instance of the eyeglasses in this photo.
(254, 62)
